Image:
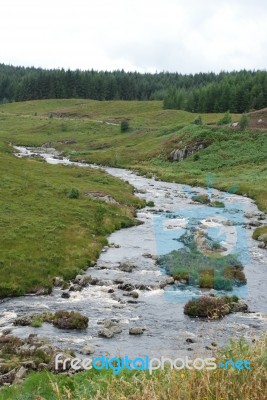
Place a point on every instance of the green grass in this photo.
(235, 159)
(45, 233)
(219, 384)
(260, 232)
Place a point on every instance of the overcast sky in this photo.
(186, 36)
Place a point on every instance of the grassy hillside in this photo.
(235, 158)
(44, 233)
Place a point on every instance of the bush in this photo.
(125, 126)
(36, 323)
(226, 119)
(217, 203)
(244, 121)
(201, 198)
(198, 121)
(73, 194)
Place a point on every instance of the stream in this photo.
(159, 311)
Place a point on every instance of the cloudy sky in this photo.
(186, 36)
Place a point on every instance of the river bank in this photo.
(158, 310)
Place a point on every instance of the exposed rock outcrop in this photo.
(183, 153)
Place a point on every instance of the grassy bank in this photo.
(219, 384)
(44, 231)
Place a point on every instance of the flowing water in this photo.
(158, 310)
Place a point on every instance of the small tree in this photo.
(243, 123)
(226, 119)
(198, 121)
(125, 126)
(73, 194)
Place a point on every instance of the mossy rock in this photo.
(210, 307)
(70, 320)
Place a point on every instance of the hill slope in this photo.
(89, 130)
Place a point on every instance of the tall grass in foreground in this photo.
(219, 384)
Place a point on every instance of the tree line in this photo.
(237, 91)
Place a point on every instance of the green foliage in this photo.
(244, 122)
(201, 198)
(36, 323)
(216, 203)
(204, 92)
(227, 119)
(64, 127)
(73, 194)
(198, 121)
(174, 99)
(220, 273)
(44, 234)
(150, 203)
(262, 231)
(125, 126)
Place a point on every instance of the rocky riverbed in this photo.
(128, 294)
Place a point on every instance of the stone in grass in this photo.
(263, 238)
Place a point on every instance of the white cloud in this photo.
(176, 35)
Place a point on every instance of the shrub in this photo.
(73, 194)
(226, 119)
(36, 323)
(198, 121)
(201, 198)
(217, 203)
(244, 121)
(150, 203)
(63, 127)
(125, 126)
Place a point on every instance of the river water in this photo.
(159, 311)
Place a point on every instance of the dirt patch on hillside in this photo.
(258, 119)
